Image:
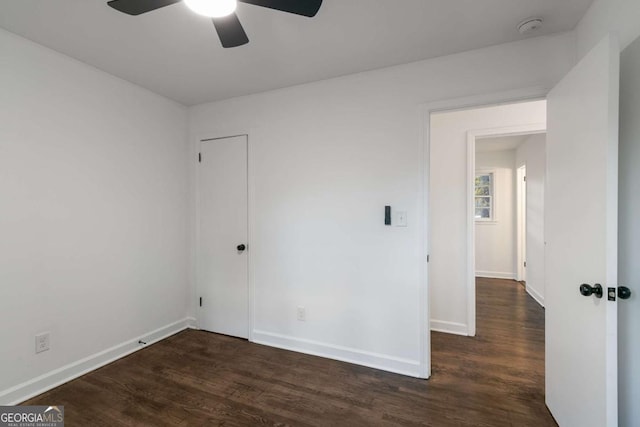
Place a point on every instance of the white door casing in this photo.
(222, 216)
(581, 241)
(521, 215)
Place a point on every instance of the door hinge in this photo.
(525, 179)
(428, 257)
(200, 301)
(199, 157)
(525, 263)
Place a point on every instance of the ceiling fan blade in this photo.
(137, 7)
(299, 7)
(230, 31)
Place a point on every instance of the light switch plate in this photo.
(401, 219)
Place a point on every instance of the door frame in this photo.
(425, 111)
(521, 222)
(195, 226)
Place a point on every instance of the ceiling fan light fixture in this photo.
(212, 8)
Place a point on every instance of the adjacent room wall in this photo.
(532, 154)
(496, 240)
(325, 158)
(448, 201)
(93, 216)
(629, 237)
(617, 16)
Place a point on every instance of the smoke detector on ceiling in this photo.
(529, 25)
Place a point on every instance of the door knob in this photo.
(588, 290)
(241, 248)
(624, 292)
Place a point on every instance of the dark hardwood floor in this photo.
(198, 378)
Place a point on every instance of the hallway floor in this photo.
(501, 369)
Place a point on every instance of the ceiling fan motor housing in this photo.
(222, 12)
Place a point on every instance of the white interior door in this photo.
(222, 262)
(581, 238)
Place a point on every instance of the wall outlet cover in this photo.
(42, 342)
(302, 314)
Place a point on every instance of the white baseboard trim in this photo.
(535, 295)
(496, 275)
(450, 327)
(344, 354)
(57, 377)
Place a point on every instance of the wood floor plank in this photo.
(198, 378)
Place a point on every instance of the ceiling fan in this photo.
(222, 12)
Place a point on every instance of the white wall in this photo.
(448, 201)
(532, 154)
(496, 240)
(93, 213)
(629, 237)
(325, 159)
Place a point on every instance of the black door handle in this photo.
(588, 290)
(241, 248)
(624, 292)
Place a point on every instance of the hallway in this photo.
(501, 369)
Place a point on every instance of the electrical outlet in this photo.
(42, 342)
(302, 314)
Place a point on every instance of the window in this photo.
(484, 196)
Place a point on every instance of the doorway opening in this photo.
(580, 245)
(483, 213)
(473, 207)
(505, 218)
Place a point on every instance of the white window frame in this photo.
(492, 208)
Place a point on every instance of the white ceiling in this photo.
(176, 53)
(502, 143)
